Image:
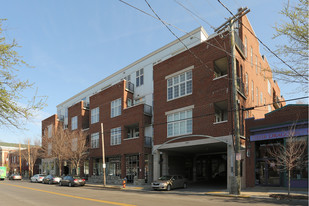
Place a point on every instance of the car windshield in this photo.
(165, 178)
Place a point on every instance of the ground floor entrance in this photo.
(201, 162)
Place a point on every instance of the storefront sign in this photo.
(278, 135)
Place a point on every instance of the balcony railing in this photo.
(240, 86)
(61, 118)
(147, 109)
(86, 105)
(239, 45)
(130, 86)
(148, 142)
(276, 102)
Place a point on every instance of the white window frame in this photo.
(179, 85)
(252, 90)
(247, 83)
(140, 77)
(261, 99)
(246, 47)
(256, 64)
(116, 136)
(95, 140)
(268, 87)
(251, 56)
(116, 108)
(180, 122)
(257, 95)
(74, 123)
(95, 115)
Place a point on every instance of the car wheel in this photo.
(168, 188)
(50, 182)
(36, 181)
(185, 185)
(60, 184)
(70, 184)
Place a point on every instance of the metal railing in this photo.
(147, 109)
(130, 86)
(148, 141)
(239, 44)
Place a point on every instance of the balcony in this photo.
(85, 105)
(276, 102)
(148, 142)
(61, 118)
(241, 87)
(239, 45)
(130, 86)
(147, 110)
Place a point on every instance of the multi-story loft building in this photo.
(153, 110)
(123, 103)
(193, 103)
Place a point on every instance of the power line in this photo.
(192, 53)
(284, 62)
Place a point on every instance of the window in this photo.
(247, 83)
(251, 56)
(256, 64)
(128, 78)
(133, 132)
(116, 107)
(252, 91)
(260, 67)
(139, 77)
(246, 45)
(95, 115)
(180, 85)
(129, 102)
(257, 96)
(269, 87)
(261, 101)
(95, 140)
(50, 130)
(74, 144)
(221, 113)
(74, 123)
(116, 136)
(269, 108)
(179, 123)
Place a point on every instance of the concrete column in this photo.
(156, 165)
(165, 163)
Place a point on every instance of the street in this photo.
(14, 193)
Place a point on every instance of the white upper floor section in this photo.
(142, 92)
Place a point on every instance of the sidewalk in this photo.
(255, 192)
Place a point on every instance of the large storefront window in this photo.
(114, 166)
(132, 167)
(97, 167)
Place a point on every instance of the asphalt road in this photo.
(24, 193)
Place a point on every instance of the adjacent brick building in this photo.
(266, 132)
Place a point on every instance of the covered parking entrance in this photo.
(203, 162)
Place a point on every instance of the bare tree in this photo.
(290, 156)
(33, 154)
(57, 146)
(79, 149)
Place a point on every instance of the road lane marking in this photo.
(72, 196)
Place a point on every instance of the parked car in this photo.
(72, 181)
(49, 179)
(37, 178)
(169, 182)
(15, 177)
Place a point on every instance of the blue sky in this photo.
(73, 44)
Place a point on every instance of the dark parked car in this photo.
(14, 177)
(72, 181)
(49, 179)
(169, 182)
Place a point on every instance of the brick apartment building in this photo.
(193, 97)
(266, 132)
(169, 93)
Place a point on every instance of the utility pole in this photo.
(236, 179)
(29, 163)
(19, 160)
(103, 156)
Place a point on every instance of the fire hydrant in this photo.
(124, 182)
